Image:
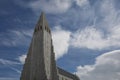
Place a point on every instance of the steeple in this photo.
(40, 62)
(42, 18)
(42, 23)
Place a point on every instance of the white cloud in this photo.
(110, 15)
(90, 38)
(16, 37)
(16, 70)
(51, 6)
(22, 58)
(104, 33)
(82, 3)
(8, 62)
(106, 67)
(61, 41)
(93, 38)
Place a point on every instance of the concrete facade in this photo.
(40, 62)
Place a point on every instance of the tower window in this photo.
(35, 30)
(40, 27)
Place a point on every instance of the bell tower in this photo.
(40, 62)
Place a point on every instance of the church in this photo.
(40, 63)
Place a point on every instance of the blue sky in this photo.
(86, 35)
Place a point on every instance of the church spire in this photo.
(42, 23)
(42, 18)
(40, 62)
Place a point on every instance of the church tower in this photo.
(40, 62)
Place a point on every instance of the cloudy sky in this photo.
(86, 36)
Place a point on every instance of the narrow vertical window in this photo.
(41, 27)
(35, 30)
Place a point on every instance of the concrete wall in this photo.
(47, 52)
